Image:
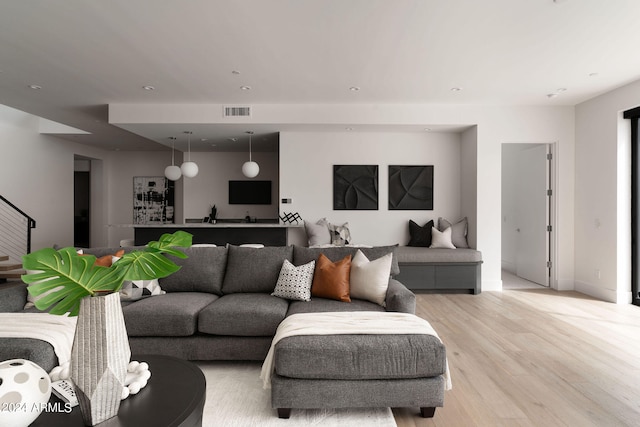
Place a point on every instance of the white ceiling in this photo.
(87, 54)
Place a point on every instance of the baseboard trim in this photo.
(565, 285)
(491, 285)
(609, 295)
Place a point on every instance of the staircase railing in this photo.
(15, 230)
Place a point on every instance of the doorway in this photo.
(81, 203)
(527, 197)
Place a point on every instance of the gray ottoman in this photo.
(345, 371)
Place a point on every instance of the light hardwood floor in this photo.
(534, 357)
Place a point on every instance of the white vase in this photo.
(99, 357)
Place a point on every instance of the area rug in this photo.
(235, 397)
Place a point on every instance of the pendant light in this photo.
(250, 169)
(173, 172)
(189, 169)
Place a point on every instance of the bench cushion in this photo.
(170, 315)
(360, 357)
(411, 254)
(243, 314)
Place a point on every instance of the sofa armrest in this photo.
(13, 297)
(399, 298)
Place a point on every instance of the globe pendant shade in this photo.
(250, 169)
(189, 169)
(173, 172)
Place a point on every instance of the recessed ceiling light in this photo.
(236, 72)
(204, 139)
(552, 95)
(562, 89)
(427, 129)
(348, 128)
(35, 87)
(354, 88)
(593, 74)
(245, 87)
(148, 87)
(232, 139)
(456, 89)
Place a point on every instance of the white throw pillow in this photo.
(294, 283)
(369, 280)
(441, 239)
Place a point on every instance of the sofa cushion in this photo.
(170, 315)
(243, 314)
(254, 269)
(202, 271)
(302, 254)
(320, 305)
(38, 351)
(360, 357)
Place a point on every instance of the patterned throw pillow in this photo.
(294, 283)
(138, 289)
(340, 234)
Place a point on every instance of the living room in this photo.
(460, 132)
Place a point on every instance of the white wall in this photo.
(306, 175)
(211, 185)
(603, 182)
(36, 174)
(495, 125)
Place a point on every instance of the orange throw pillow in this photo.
(107, 260)
(331, 279)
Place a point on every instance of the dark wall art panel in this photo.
(355, 187)
(410, 187)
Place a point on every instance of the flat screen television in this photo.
(249, 192)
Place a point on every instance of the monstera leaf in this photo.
(63, 277)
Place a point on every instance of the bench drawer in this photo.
(415, 276)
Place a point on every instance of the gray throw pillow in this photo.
(318, 233)
(458, 231)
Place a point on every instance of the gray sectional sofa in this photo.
(217, 307)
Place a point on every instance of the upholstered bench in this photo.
(437, 269)
(359, 370)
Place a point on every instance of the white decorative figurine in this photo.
(25, 389)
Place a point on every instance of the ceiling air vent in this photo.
(236, 111)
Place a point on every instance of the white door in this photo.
(533, 215)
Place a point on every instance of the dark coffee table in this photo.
(174, 396)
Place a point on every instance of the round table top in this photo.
(174, 396)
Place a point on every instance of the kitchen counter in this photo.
(221, 233)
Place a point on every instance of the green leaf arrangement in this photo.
(66, 277)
